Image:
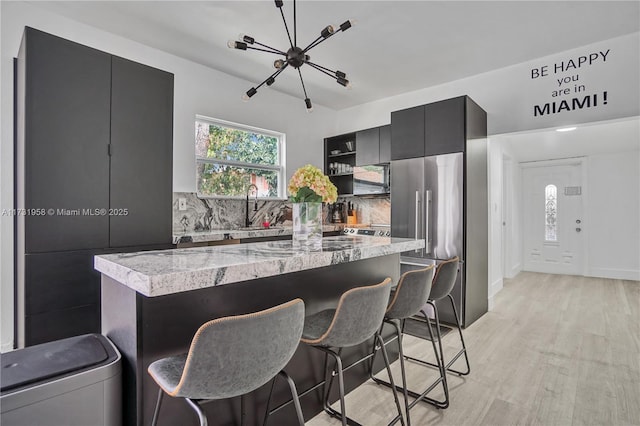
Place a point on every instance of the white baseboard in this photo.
(515, 270)
(616, 274)
(495, 287)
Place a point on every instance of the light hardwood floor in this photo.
(555, 350)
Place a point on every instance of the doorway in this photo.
(553, 222)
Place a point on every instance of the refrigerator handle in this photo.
(427, 219)
(417, 212)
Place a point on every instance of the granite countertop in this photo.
(242, 233)
(157, 273)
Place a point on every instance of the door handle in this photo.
(427, 219)
(417, 218)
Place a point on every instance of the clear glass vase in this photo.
(307, 226)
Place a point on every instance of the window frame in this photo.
(280, 167)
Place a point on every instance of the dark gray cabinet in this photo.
(141, 155)
(374, 146)
(444, 124)
(94, 166)
(407, 133)
(385, 144)
(441, 127)
(368, 143)
(67, 95)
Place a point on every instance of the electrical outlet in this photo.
(182, 204)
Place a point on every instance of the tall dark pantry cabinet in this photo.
(93, 175)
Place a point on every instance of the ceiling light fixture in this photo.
(294, 56)
(565, 129)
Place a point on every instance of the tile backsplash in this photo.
(205, 214)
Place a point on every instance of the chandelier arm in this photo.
(269, 47)
(321, 70)
(268, 51)
(311, 44)
(286, 27)
(304, 89)
(274, 75)
(317, 42)
(324, 68)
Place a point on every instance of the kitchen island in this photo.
(153, 302)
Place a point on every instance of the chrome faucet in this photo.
(247, 222)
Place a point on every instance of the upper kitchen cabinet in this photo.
(374, 146)
(444, 124)
(94, 160)
(368, 147)
(141, 154)
(385, 144)
(63, 114)
(407, 133)
(437, 128)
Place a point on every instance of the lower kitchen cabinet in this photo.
(62, 296)
(60, 324)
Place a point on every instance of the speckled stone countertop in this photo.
(225, 234)
(157, 273)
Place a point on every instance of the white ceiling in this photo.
(396, 46)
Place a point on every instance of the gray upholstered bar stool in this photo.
(356, 319)
(232, 356)
(443, 282)
(407, 300)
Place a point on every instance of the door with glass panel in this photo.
(553, 223)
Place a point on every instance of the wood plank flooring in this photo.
(555, 350)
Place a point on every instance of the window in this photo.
(230, 157)
(551, 213)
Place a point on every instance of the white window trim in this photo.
(282, 186)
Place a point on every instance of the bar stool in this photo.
(232, 356)
(407, 300)
(356, 319)
(443, 282)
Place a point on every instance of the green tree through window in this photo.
(230, 158)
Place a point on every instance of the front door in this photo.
(553, 222)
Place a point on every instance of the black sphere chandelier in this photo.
(295, 56)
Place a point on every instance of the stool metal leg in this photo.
(464, 347)
(294, 395)
(393, 386)
(196, 407)
(154, 420)
(408, 392)
(294, 398)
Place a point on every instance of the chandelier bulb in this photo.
(344, 82)
(246, 38)
(327, 31)
(249, 94)
(231, 44)
(347, 24)
(278, 63)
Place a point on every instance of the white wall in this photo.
(198, 90)
(509, 94)
(613, 215)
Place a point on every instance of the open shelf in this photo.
(342, 154)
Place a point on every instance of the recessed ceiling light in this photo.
(565, 129)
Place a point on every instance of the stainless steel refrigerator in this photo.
(430, 199)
